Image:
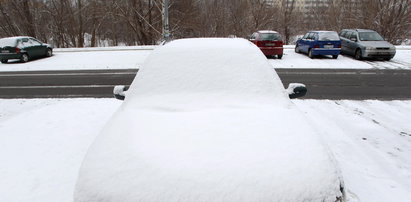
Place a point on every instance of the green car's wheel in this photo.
(24, 58)
(49, 52)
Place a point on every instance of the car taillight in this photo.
(259, 43)
(317, 46)
(339, 46)
(17, 50)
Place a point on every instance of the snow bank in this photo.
(371, 141)
(42, 144)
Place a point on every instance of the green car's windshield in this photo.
(370, 36)
(270, 37)
(7, 42)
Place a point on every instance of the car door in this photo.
(344, 41)
(304, 41)
(352, 45)
(37, 48)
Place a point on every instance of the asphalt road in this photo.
(321, 84)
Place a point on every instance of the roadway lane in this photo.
(321, 83)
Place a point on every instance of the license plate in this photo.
(270, 44)
(328, 46)
(5, 51)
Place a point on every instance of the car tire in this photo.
(49, 52)
(297, 49)
(24, 58)
(358, 54)
(310, 54)
(280, 56)
(4, 61)
(335, 56)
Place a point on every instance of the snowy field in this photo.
(43, 142)
(132, 58)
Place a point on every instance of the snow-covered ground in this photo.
(132, 58)
(43, 142)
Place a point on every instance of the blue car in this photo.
(319, 43)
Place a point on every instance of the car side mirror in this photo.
(119, 92)
(296, 90)
(353, 39)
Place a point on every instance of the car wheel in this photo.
(310, 54)
(387, 59)
(24, 58)
(358, 55)
(297, 49)
(280, 56)
(4, 61)
(49, 52)
(335, 56)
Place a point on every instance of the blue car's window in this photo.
(328, 36)
(270, 37)
(370, 36)
(7, 42)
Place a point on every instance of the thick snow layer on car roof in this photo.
(208, 120)
(216, 69)
(267, 31)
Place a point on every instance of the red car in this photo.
(270, 43)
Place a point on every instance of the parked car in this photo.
(364, 43)
(23, 48)
(208, 120)
(319, 43)
(269, 42)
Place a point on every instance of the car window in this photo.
(311, 36)
(34, 42)
(253, 36)
(270, 37)
(343, 33)
(328, 36)
(306, 36)
(370, 36)
(353, 35)
(7, 42)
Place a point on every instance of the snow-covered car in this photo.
(208, 120)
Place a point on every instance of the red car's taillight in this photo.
(17, 50)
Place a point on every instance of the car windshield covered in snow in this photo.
(8, 42)
(328, 36)
(370, 36)
(270, 37)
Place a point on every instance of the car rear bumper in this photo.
(326, 51)
(8, 56)
(272, 50)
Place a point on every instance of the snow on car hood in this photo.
(213, 137)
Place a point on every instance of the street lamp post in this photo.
(166, 26)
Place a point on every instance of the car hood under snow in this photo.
(194, 127)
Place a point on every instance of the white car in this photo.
(208, 120)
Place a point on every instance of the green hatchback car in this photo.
(23, 48)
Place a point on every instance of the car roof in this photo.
(359, 30)
(267, 32)
(322, 31)
(17, 37)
